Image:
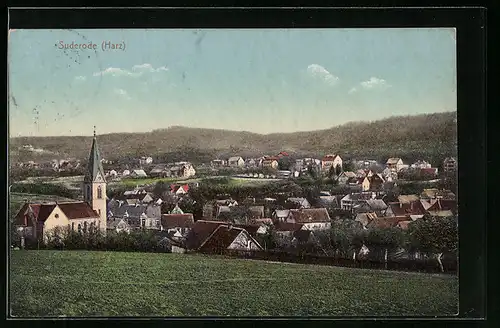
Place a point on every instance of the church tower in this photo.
(94, 185)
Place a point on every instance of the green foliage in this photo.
(434, 235)
(44, 189)
(385, 238)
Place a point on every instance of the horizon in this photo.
(261, 81)
(228, 130)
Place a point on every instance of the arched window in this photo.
(73, 226)
(88, 193)
(79, 227)
(85, 226)
(99, 210)
(99, 192)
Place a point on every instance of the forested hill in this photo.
(430, 136)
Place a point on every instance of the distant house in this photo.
(386, 222)
(181, 223)
(179, 189)
(138, 174)
(159, 170)
(329, 201)
(280, 215)
(227, 237)
(218, 163)
(137, 216)
(420, 164)
(284, 233)
(145, 160)
(373, 183)
(235, 213)
(407, 199)
(450, 164)
(377, 206)
(251, 162)
(118, 225)
(330, 161)
(389, 175)
(428, 172)
(299, 202)
(179, 170)
(433, 193)
(236, 161)
(112, 174)
(412, 210)
(395, 164)
(125, 173)
(346, 178)
(443, 208)
(365, 218)
(270, 162)
(310, 218)
(350, 201)
(200, 231)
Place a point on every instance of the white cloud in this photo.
(375, 83)
(352, 90)
(149, 68)
(320, 72)
(80, 78)
(137, 70)
(122, 93)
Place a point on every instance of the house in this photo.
(125, 173)
(331, 160)
(138, 174)
(178, 170)
(365, 218)
(238, 213)
(420, 164)
(386, 222)
(145, 160)
(428, 172)
(377, 206)
(389, 175)
(112, 174)
(329, 201)
(373, 183)
(236, 161)
(252, 162)
(176, 210)
(282, 154)
(41, 220)
(395, 164)
(284, 232)
(433, 193)
(228, 237)
(299, 202)
(349, 201)
(280, 215)
(179, 189)
(310, 218)
(137, 216)
(270, 162)
(364, 164)
(118, 225)
(407, 199)
(443, 208)
(412, 210)
(450, 164)
(200, 231)
(218, 163)
(346, 177)
(180, 223)
(159, 171)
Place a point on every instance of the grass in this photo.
(83, 283)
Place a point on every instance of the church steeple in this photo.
(94, 166)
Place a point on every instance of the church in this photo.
(42, 220)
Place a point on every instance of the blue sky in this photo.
(259, 80)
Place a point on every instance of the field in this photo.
(81, 283)
(234, 181)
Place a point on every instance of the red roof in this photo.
(271, 158)
(200, 231)
(283, 153)
(310, 215)
(444, 205)
(222, 238)
(287, 226)
(78, 210)
(40, 212)
(169, 221)
(387, 222)
(329, 157)
(406, 209)
(174, 188)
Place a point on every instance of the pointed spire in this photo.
(94, 164)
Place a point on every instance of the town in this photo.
(240, 204)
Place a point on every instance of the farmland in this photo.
(83, 283)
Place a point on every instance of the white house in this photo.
(310, 218)
(138, 174)
(236, 161)
(395, 164)
(145, 160)
(331, 160)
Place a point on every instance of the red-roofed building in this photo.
(412, 210)
(41, 220)
(179, 189)
(227, 237)
(329, 161)
(443, 208)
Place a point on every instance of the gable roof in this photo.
(365, 218)
(113, 224)
(39, 211)
(223, 237)
(310, 215)
(78, 210)
(376, 204)
(200, 231)
(330, 157)
(406, 209)
(348, 174)
(287, 226)
(408, 198)
(169, 221)
(393, 160)
(281, 213)
(234, 158)
(442, 205)
(386, 222)
(403, 224)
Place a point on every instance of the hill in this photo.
(42, 283)
(427, 136)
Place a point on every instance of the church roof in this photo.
(94, 165)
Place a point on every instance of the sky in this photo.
(258, 80)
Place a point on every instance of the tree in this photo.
(338, 170)
(348, 166)
(434, 235)
(386, 239)
(332, 172)
(344, 236)
(285, 163)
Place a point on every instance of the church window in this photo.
(99, 192)
(88, 193)
(85, 226)
(99, 210)
(79, 227)
(73, 226)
